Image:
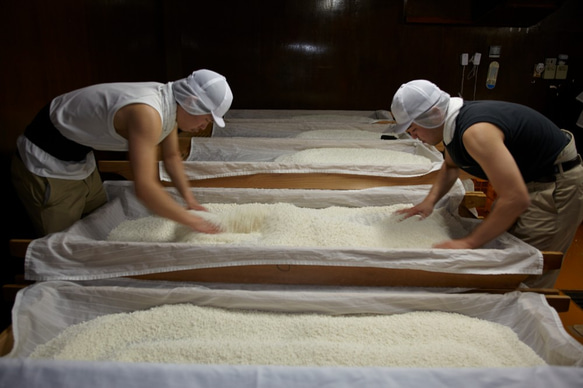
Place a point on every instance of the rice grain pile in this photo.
(339, 134)
(353, 156)
(284, 224)
(334, 118)
(186, 333)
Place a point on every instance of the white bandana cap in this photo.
(204, 92)
(420, 102)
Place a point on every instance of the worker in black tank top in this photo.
(532, 165)
(533, 140)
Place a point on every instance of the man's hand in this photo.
(453, 244)
(201, 225)
(197, 206)
(421, 209)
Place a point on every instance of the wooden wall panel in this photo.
(354, 54)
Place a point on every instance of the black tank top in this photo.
(533, 140)
(43, 133)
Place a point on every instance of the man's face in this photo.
(431, 136)
(192, 123)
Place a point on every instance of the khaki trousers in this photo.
(554, 215)
(55, 204)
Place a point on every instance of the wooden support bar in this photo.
(119, 167)
(559, 302)
(552, 260)
(18, 247)
(337, 276)
(6, 341)
(321, 181)
(474, 199)
(9, 291)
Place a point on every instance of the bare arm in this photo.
(485, 143)
(175, 168)
(444, 180)
(142, 126)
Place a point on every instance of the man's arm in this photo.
(174, 166)
(485, 143)
(143, 127)
(446, 177)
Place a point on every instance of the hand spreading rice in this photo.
(284, 224)
(354, 156)
(186, 333)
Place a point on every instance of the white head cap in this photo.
(421, 102)
(204, 92)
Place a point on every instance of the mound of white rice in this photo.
(339, 134)
(186, 333)
(284, 224)
(353, 156)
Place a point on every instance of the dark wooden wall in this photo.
(285, 54)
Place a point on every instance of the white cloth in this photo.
(290, 123)
(17, 373)
(82, 252)
(455, 104)
(221, 157)
(43, 310)
(44, 164)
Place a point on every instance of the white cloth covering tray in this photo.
(25, 373)
(223, 157)
(274, 128)
(291, 123)
(43, 310)
(82, 251)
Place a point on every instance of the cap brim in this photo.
(218, 120)
(400, 128)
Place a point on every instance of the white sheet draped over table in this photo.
(290, 123)
(223, 157)
(82, 252)
(43, 310)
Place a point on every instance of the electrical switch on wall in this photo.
(550, 68)
(562, 67)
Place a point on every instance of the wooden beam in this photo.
(336, 276)
(18, 246)
(552, 260)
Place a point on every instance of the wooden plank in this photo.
(571, 319)
(560, 303)
(552, 260)
(9, 291)
(18, 246)
(321, 181)
(6, 341)
(337, 276)
(474, 199)
(119, 167)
